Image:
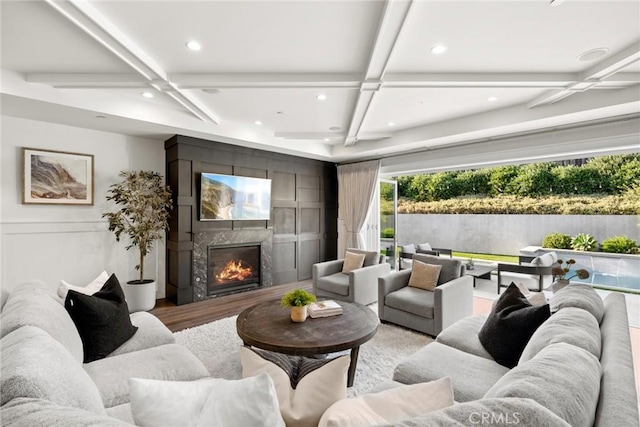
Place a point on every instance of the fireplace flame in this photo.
(234, 271)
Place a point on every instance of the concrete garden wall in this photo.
(507, 234)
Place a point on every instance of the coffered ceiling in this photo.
(510, 68)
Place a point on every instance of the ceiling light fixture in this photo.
(193, 45)
(258, 123)
(592, 54)
(391, 124)
(327, 140)
(147, 94)
(492, 98)
(437, 50)
(554, 3)
(321, 97)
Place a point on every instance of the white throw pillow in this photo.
(352, 261)
(390, 406)
(88, 289)
(204, 403)
(314, 393)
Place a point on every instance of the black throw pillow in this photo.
(102, 319)
(510, 325)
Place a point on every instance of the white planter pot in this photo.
(140, 296)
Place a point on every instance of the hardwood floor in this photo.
(198, 313)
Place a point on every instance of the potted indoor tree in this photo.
(298, 300)
(143, 202)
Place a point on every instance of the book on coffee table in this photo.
(324, 309)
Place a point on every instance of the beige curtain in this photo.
(356, 187)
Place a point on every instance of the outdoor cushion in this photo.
(408, 249)
(562, 377)
(463, 335)
(545, 260)
(370, 257)
(471, 376)
(412, 300)
(451, 268)
(424, 247)
(337, 283)
(571, 325)
(581, 296)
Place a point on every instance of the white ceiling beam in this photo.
(86, 17)
(614, 64)
(593, 77)
(265, 80)
(393, 20)
(467, 80)
(88, 80)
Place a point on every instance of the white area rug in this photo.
(216, 345)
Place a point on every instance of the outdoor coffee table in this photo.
(481, 272)
(268, 326)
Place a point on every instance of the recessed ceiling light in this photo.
(147, 94)
(592, 54)
(327, 140)
(391, 124)
(437, 50)
(321, 97)
(335, 128)
(194, 45)
(492, 98)
(212, 91)
(100, 117)
(258, 123)
(554, 3)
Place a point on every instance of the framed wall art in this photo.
(56, 177)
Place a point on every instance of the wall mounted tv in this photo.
(227, 197)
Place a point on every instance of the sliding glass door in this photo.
(389, 220)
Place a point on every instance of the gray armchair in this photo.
(422, 310)
(359, 285)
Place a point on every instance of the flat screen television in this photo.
(230, 197)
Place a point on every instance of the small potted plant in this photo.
(562, 275)
(143, 203)
(470, 264)
(298, 300)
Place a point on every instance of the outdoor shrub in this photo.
(404, 187)
(474, 182)
(618, 171)
(583, 242)
(578, 180)
(619, 245)
(557, 241)
(501, 178)
(443, 186)
(534, 179)
(387, 233)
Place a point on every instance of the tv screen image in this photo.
(228, 197)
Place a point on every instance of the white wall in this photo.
(70, 242)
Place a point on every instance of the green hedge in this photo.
(607, 175)
(627, 204)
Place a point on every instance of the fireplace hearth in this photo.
(233, 267)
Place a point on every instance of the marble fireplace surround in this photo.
(202, 241)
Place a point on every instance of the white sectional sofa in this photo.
(44, 381)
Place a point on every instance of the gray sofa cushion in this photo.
(34, 365)
(24, 412)
(370, 257)
(168, 362)
(618, 401)
(562, 377)
(571, 325)
(451, 268)
(471, 376)
(412, 300)
(488, 412)
(151, 333)
(36, 304)
(463, 335)
(581, 296)
(337, 283)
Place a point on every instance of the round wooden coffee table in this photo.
(268, 326)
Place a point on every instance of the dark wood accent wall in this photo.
(304, 208)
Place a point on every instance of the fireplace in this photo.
(233, 267)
